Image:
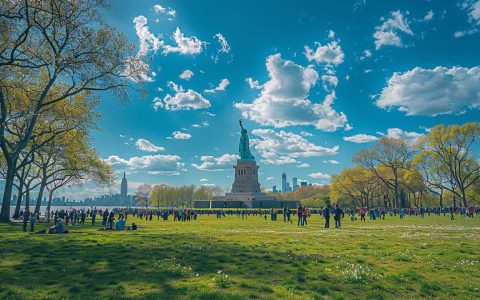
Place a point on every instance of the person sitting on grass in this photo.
(120, 223)
(58, 227)
(133, 227)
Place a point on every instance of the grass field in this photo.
(233, 259)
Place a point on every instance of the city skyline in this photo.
(314, 83)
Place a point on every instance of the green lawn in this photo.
(233, 259)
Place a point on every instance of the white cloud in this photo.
(164, 10)
(253, 84)
(283, 99)
(270, 178)
(360, 138)
(186, 75)
(224, 46)
(366, 54)
(285, 147)
(222, 86)
(203, 124)
(221, 163)
(148, 41)
(432, 91)
(203, 180)
(331, 161)
(387, 34)
(319, 175)
(146, 145)
(428, 16)
(137, 69)
(398, 133)
(303, 165)
(182, 100)
(305, 133)
(473, 8)
(152, 164)
(184, 45)
(459, 34)
(179, 135)
(330, 53)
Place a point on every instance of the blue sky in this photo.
(327, 78)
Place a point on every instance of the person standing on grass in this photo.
(326, 215)
(299, 215)
(338, 216)
(84, 216)
(111, 217)
(288, 216)
(363, 211)
(94, 216)
(401, 213)
(304, 215)
(33, 220)
(451, 214)
(105, 217)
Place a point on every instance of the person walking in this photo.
(326, 215)
(299, 215)
(363, 211)
(338, 216)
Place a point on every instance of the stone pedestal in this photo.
(246, 177)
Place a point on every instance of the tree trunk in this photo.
(441, 198)
(16, 214)
(49, 205)
(396, 188)
(39, 197)
(7, 193)
(27, 200)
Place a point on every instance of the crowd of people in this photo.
(116, 218)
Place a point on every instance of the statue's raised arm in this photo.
(240, 121)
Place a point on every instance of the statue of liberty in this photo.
(244, 146)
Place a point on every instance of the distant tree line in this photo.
(162, 195)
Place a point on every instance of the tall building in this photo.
(124, 189)
(274, 189)
(294, 183)
(284, 182)
(303, 183)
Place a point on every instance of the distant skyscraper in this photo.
(294, 183)
(274, 189)
(124, 189)
(303, 183)
(284, 182)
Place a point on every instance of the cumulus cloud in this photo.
(184, 45)
(179, 135)
(397, 133)
(136, 68)
(182, 100)
(148, 41)
(212, 163)
(151, 164)
(331, 161)
(283, 99)
(222, 86)
(366, 54)
(186, 75)
(253, 84)
(159, 9)
(224, 46)
(432, 91)
(330, 53)
(303, 165)
(360, 138)
(387, 34)
(319, 175)
(473, 9)
(285, 147)
(146, 145)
